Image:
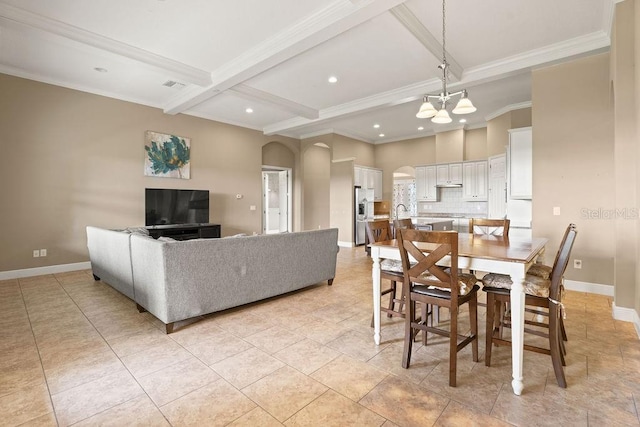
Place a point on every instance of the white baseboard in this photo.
(345, 244)
(592, 288)
(40, 271)
(627, 315)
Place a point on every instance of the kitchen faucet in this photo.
(397, 206)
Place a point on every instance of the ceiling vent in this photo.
(173, 84)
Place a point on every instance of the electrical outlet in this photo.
(36, 253)
(43, 252)
(556, 210)
(577, 264)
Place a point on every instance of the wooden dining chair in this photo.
(539, 292)
(380, 231)
(485, 226)
(402, 224)
(430, 284)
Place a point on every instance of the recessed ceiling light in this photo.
(376, 126)
(420, 128)
(381, 135)
(333, 79)
(463, 120)
(101, 70)
(249, 110)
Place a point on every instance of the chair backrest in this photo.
(562, 260)
(378, 231)
(402, 224)
(495, 227)
(425, 271)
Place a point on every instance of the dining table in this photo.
(486, 253)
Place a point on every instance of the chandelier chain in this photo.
(444, 47)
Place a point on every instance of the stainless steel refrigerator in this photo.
(362, 212)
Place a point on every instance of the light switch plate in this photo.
(556, 210)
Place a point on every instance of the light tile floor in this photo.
(75, 351)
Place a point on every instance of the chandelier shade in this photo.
(426, 110)
(464, 105)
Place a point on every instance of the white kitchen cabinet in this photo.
(426, 190)
(520, 163)
(377, 185)
(368, 178)
(449, 174)
(474, 181)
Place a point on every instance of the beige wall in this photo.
(450, 146)
(73, 159)
(341, 199)
(573, 164)
(343, 147)
(316, 173)
(279, 155)
(625, 154)
(637, 97)
(498, 129)
(475, 145)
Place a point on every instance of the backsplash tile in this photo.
(451, 203)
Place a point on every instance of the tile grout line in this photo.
(46, 381)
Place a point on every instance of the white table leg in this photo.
(517, 329)
(375, 255)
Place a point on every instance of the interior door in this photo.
(497, 186)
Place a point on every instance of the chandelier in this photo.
(464, 105)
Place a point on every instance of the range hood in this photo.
(448, 185)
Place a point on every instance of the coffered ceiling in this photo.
(217, 58)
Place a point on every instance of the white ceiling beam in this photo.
(281, 103)
(175, 69)
(338, 17)
(491, 71)
(411, 22)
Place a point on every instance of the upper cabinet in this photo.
(520, 163)
(474, 181)
(449, 174)
(426, 190)
(368, 178)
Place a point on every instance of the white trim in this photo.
(212, 118)
(412, 23)
(626, 315)
(40, 271)
(50, 26)
(346, 159)
(339, 16)
(317, 133)
(508, 108)
(592, 288)
(253, 94)
(345, 244)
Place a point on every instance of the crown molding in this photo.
(222, 120)
(411, 22)
(274, 100)
(317, 133)
(173, 68)
(588, 44)
(507, 109)
(336, 18)
(17, 72)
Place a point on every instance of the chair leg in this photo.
(473, 320)
(392, 296)
(425, 310)
(564, 332)
(453, 346)
(489, 325)
(554, 346)
(408, 333)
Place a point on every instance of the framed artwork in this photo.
(167, 156)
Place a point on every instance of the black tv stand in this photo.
(185, 231)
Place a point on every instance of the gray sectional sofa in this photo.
(178, 280)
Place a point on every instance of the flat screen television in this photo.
(165, 206)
